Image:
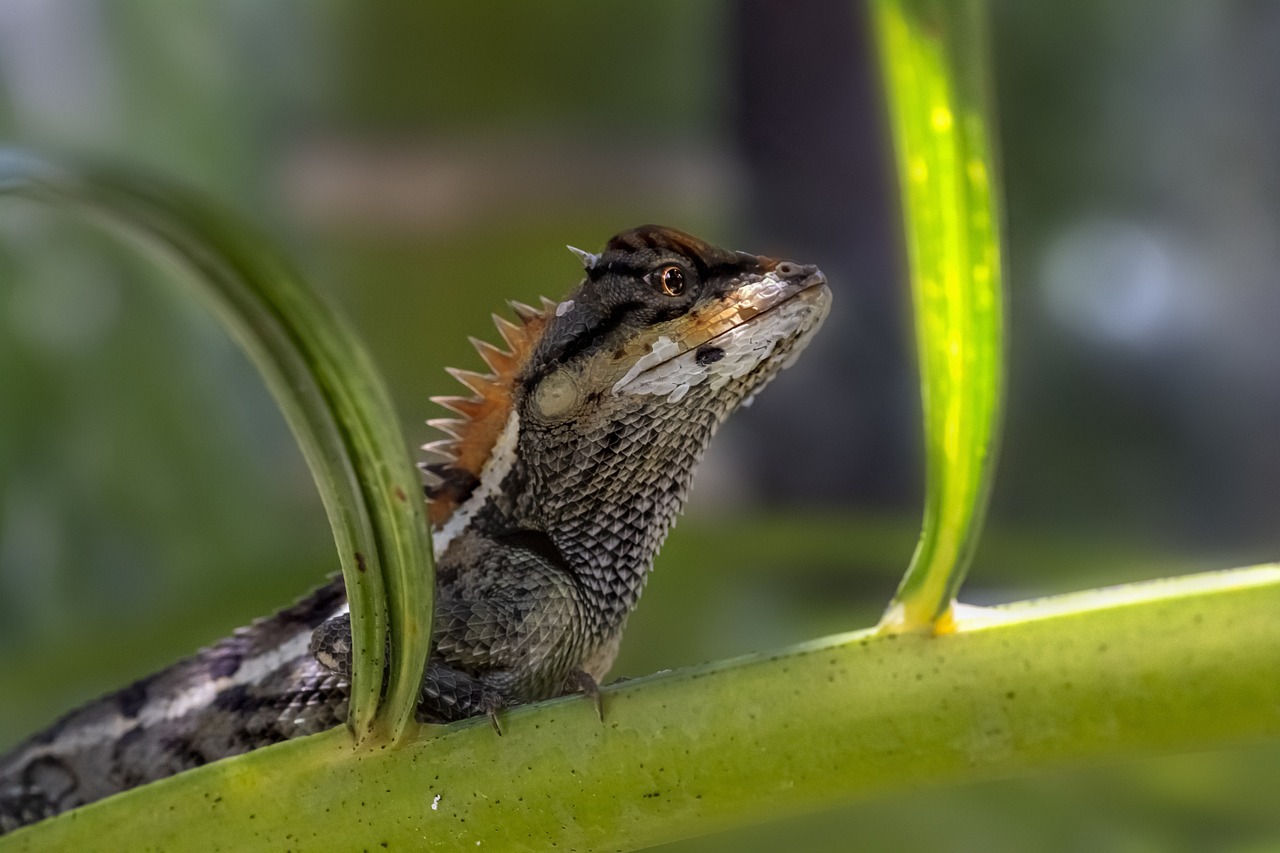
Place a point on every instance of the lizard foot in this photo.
(450, 694)
(583, 682)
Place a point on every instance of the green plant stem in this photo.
(1170, 665)
(933, 58)
(330, 395)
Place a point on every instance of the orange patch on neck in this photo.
(484, 414)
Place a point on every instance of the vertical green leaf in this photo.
(934, 62)
(330, 394)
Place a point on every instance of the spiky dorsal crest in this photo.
(471, 437)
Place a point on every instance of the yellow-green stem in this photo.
(1170, 665)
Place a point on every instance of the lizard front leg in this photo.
(447, 693)
(508, 630)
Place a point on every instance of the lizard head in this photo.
(662, 315)
(663, 323)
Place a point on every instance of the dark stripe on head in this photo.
(600, 270)
(709, 261)
(661, 238)
(588, 336)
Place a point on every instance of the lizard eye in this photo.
(670, 279)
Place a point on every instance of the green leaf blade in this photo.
(933, 59)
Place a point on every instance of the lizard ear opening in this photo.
(557, 395)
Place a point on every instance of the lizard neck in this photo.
(598, 495)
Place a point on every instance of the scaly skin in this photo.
(569, 466)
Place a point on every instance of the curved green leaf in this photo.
(933, 57)
(329, 392)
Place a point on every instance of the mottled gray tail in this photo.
(259, 686)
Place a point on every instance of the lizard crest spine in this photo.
(469, 441)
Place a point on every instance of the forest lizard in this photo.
(548, 500)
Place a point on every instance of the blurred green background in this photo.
(422, 162)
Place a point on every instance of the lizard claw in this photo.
(491, 703)
(584, 683)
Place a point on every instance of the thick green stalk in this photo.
(1171, 665)
(933, 58)
(329, 392)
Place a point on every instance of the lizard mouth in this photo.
(734, 334)
(748, 302)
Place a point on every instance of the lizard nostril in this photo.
(787, 269)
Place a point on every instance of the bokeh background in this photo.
(424, 161)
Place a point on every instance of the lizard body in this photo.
(552, 494)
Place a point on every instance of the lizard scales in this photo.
(549, 498)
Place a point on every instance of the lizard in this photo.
(548, 498)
